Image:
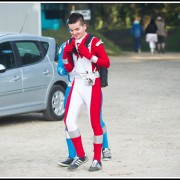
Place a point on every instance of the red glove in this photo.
(84, 51)
(67, 51)
(73, 42)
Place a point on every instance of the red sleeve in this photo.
(99, 51)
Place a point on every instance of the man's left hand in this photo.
(84, 51)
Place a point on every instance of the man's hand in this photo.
(67, 50)
(84, 51)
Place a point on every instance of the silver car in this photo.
(29, 81)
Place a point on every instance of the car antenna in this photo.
(24, 22)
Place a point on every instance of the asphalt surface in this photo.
(141, 112)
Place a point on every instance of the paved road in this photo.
(141, 111)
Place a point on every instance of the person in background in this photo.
(151, 35)
(162, 34)
(136, 32)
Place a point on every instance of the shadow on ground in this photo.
(21, 118)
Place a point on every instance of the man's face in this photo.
(77, 30)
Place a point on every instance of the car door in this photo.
(10, 81)
(37, 73)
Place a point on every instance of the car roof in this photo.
(25, 35)
(14, 33)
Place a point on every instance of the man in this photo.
(162, 34)
(106, 152)
(86, 88)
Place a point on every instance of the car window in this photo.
(6, 55)
(46, 46)
(29, 52)
(56, 53)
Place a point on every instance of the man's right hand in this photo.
(67, 50)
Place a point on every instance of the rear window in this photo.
(56, 54)
(29, 52)
(46, 46)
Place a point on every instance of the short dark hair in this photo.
(74, 17)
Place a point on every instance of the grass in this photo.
(61, 35)
(116, 41)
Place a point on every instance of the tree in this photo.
(118, 15)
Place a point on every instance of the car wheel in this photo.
(55, 107)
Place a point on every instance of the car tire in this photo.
(55, 105)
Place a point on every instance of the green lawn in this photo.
(63, 35)
(116, 41)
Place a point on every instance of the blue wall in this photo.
(54, 24)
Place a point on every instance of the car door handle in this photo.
(16, 78)
(46, 72)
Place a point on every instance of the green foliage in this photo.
(63, 35)
(173, 39)
(121, 15)
(111, 23)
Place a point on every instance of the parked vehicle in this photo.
(29, 81)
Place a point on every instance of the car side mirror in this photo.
(2, 68)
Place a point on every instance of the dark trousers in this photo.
(137, 43)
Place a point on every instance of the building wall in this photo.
(13, 15)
